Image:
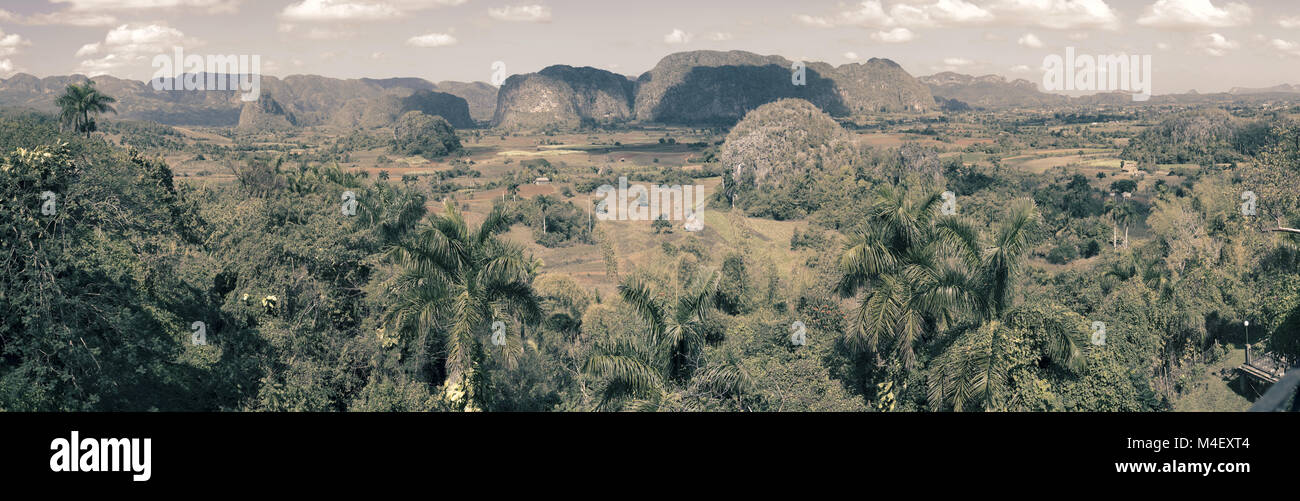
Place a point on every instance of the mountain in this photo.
(265, 114)
(564, 96)
(310, 99)
(396, 101)
(989, 91)
(778, 141)
(880, 85)
(700, 87)
(481, 97)
(401, 82)
(1276, 89)
(712, 87)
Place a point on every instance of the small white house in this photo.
(542, 180)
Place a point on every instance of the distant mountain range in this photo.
(1276, 89)
(994, 91)
(989, 91)
(701, 87)
(297, 99)
(689, 88)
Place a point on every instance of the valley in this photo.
(821, 210)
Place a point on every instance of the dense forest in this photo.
(112, 270)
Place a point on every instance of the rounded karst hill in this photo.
(265, 114)
(416, 133)
(778, 138)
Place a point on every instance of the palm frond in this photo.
(637, 294)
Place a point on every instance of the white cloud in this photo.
(432, 40)
(130, 45)
(1030, 40)
(341, 12)
(1020, 68)
(896, 35)
(958, 61)
(10, 44)
(1285, 46)
(872, 14)
(851, 56)
(1289, 22)
(409, 5)
(720, 36)
(120, 5)
(89, 49)
(522, 13)
(1053, 14)
(66, 17)
(1056, 14)
(322, 33)
(956, 12)
(338, 10)
(677, 37)
(1215, 44)
(69, 18)
(1191, 14)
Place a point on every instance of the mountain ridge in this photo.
(312, 99)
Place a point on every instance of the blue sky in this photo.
(1208, 45)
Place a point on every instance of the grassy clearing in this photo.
(1212, 392)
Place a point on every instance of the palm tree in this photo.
(454, 283)
(646, 368)
(972, 369)
(1126, 214)
(79, 103)
(544, 204)
(391, 212)
(1002, 260)
(911, 266)
(1150, 271)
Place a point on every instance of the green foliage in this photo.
(554, 223)
(418, 134)
(307, 308)
(734, 290)
(80, 104)
(664, 367)
(1204, 137)
(452, 284)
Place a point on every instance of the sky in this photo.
(1206, 45)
